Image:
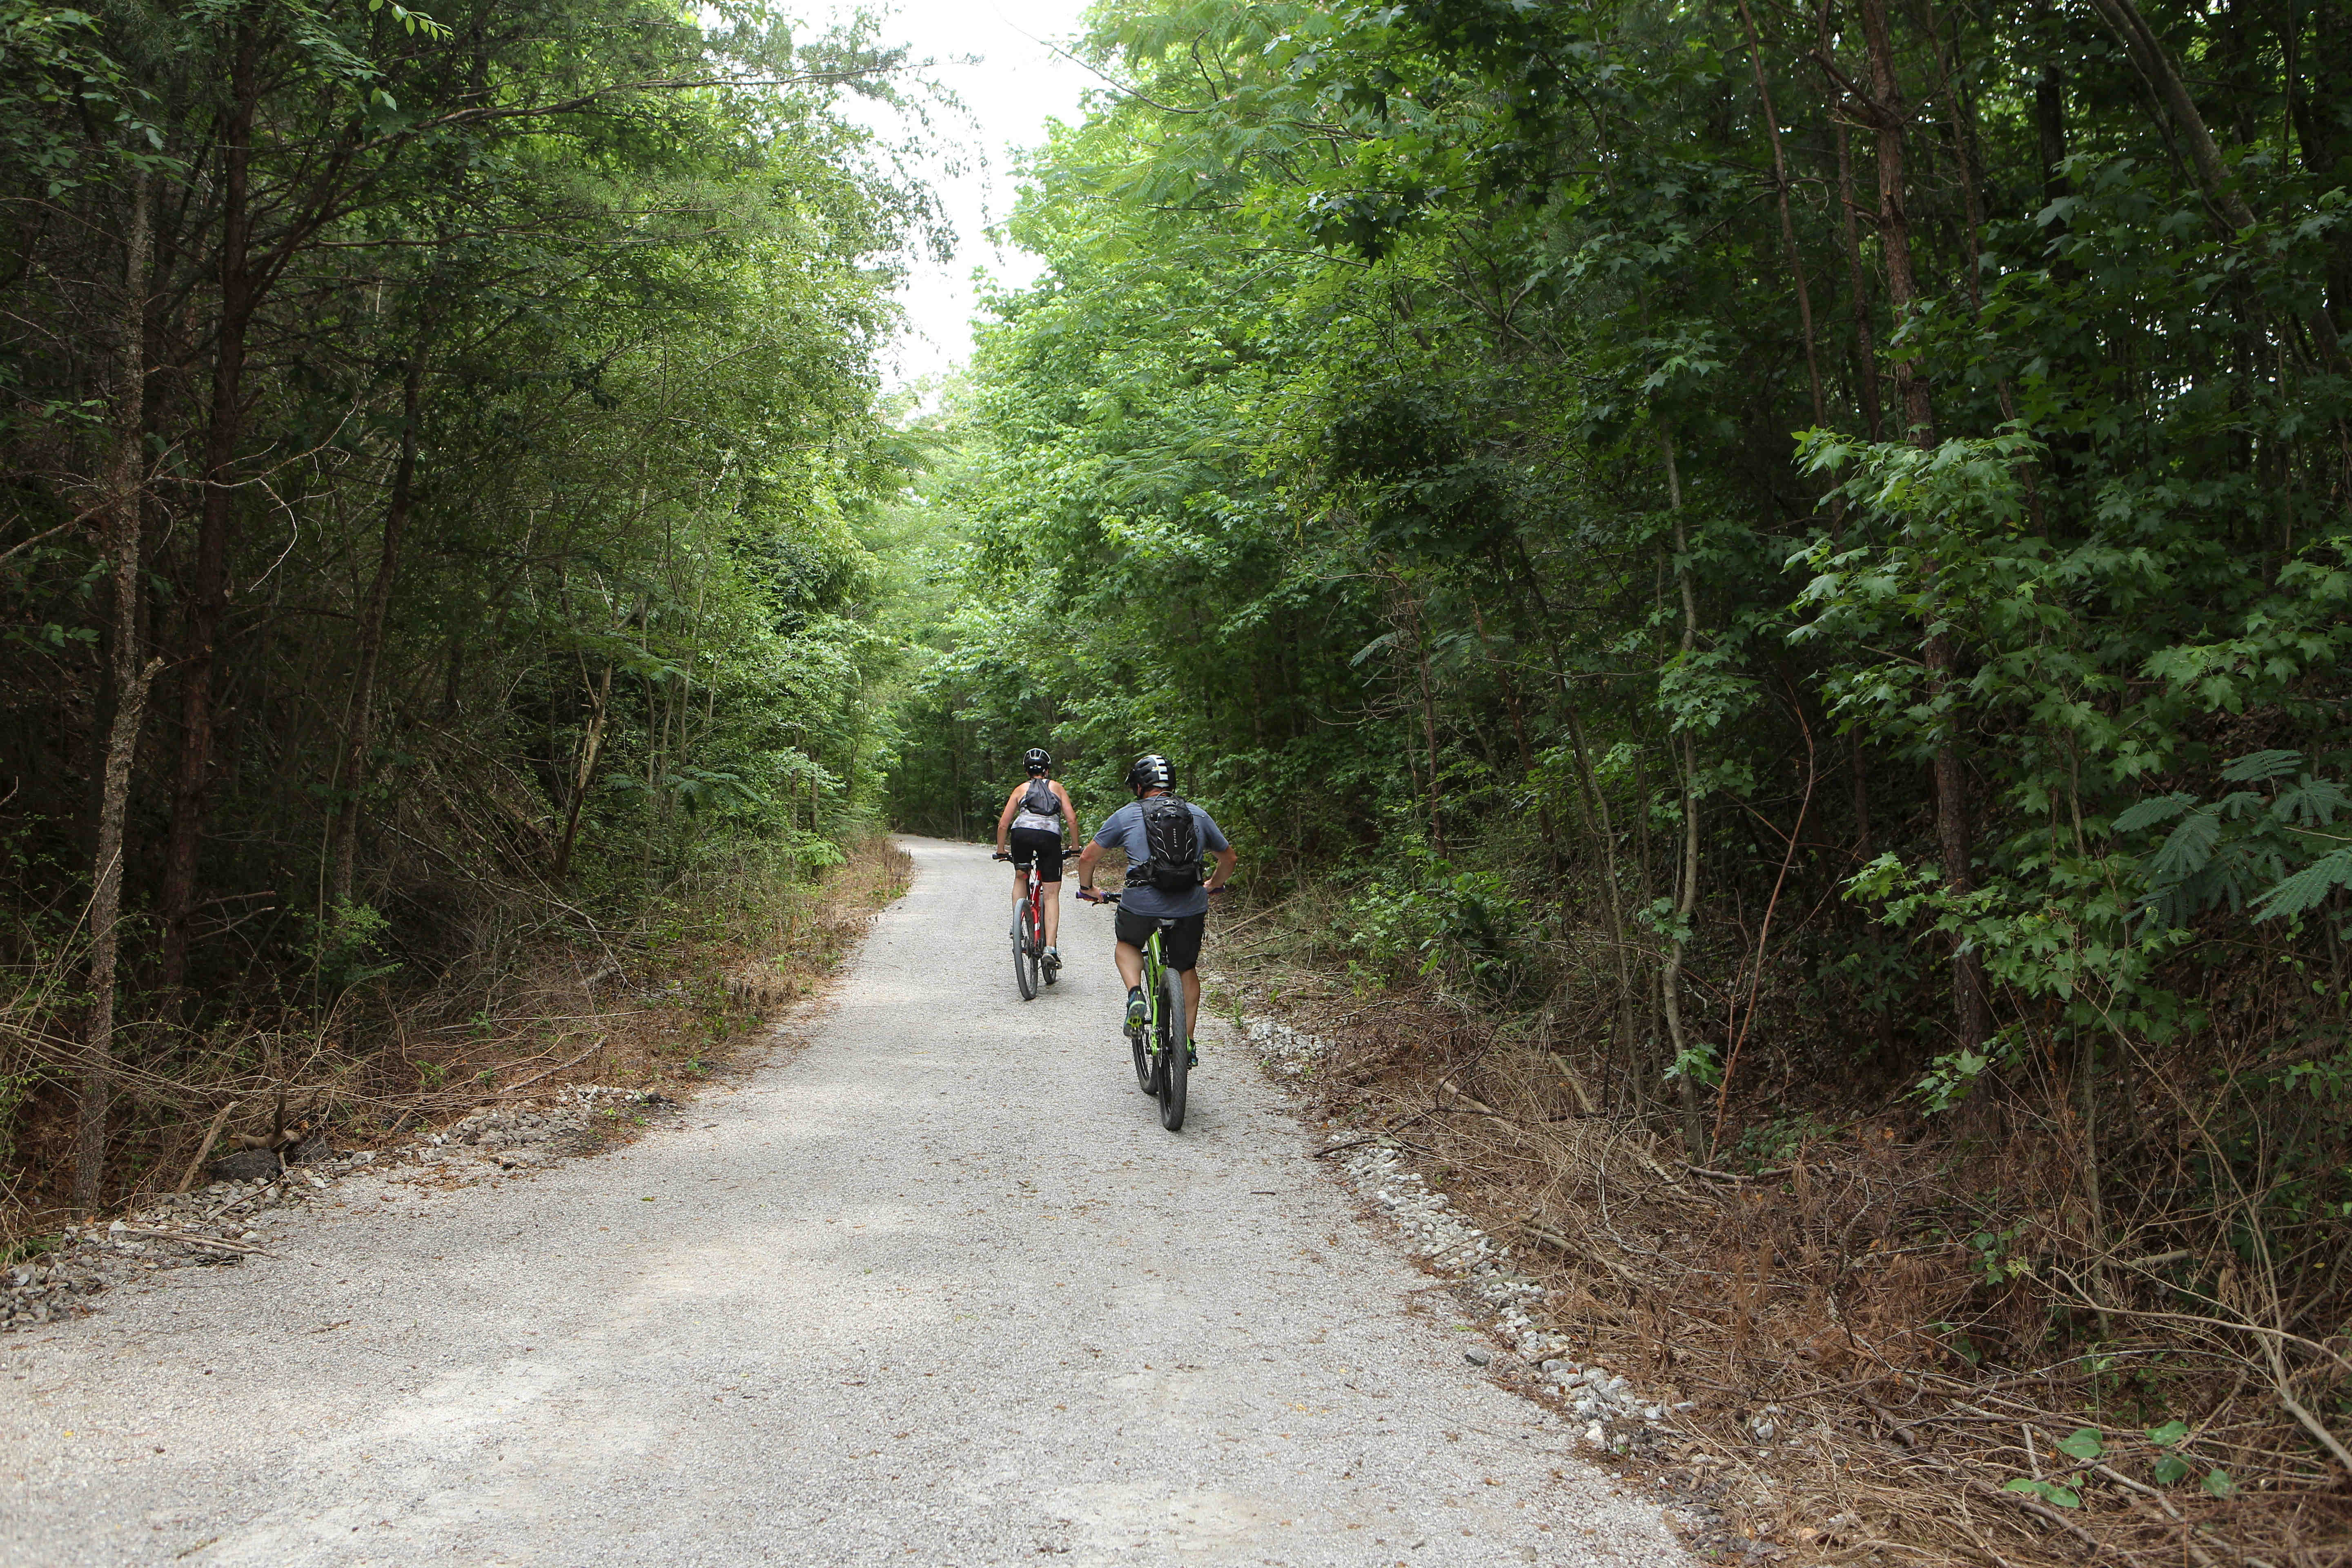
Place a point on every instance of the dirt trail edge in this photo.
(934, 1288)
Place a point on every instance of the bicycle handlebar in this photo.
(1094, 896)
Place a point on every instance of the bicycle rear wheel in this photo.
(1174, 1035)
(1025, 951)
(1138, 1041)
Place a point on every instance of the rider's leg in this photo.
(1019, 883)
(1130, 960)
(1050, 892)
(1192, 1017)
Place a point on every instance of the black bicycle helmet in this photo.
(1151, 771)
(1036, 761)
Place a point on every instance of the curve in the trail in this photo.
(933, 1288)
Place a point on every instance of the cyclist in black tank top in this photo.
(1030, 828)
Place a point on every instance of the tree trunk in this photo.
(372, 619)
(2164, 80)
(589, 745)
(209, 587)
(1519, 730)
(2326, 138)
(1890, 114)
(1686, 871)
(2148, 56)
(1970, 1011)
(1594, 809)
(2049, 113)
(1964, 160)
(1787, 224)
(125, 486)
(1428, 723)
(1865, 347)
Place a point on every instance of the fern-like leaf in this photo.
(2156, 809)
(2308, 887)
(2189, 845)
(2255, 767)
(2313, 803)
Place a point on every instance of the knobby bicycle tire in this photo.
(1173, 1039)
(1138, 1042)
(1025, 951)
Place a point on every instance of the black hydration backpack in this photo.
(1172, 837)
(1039, 799)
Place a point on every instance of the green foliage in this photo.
(504, 465)
(345, 948)
(2058, 1494)
(1429, 430)
(1464, 927)
(2171, 1466)
(2084, 1443)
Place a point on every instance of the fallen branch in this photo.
(2187, 1532)
(2053, 1516)
(551, 1072)
(212, 1136)
(211, 1241)
(1735, 1177)
(1371, 1138)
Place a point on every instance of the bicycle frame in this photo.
(1029, 962)
(1155, 969)
(1162, 1054)
(1037, 902)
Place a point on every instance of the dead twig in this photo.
(212, 1136)
(551, 1072)
(213, 1241)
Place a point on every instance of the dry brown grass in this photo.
(659, 1007)
(1834, 1292)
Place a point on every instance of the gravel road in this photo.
(928, 1286)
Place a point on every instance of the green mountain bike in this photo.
(1161, 1044)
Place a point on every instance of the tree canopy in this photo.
(1809, 537)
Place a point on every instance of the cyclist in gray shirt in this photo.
(1183, 916)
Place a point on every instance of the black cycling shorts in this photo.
(1029, 843)
(1179, 938)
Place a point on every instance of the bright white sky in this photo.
(1017, 86)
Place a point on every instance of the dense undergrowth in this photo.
(1794, 557)
(659, 1002)
(436, 605)
(1853, 1332)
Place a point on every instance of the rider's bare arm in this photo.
(1087, 857)
(1228, 858)
(1004, 818)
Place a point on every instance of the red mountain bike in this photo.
(1029, 961)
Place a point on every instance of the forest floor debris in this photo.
(1613, 1416)
(501, 1120)
(1809, 1405)
(222, 1222)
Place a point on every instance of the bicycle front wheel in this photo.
(1174, 1036)
(1025, 951)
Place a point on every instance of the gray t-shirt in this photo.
(1124, 830)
